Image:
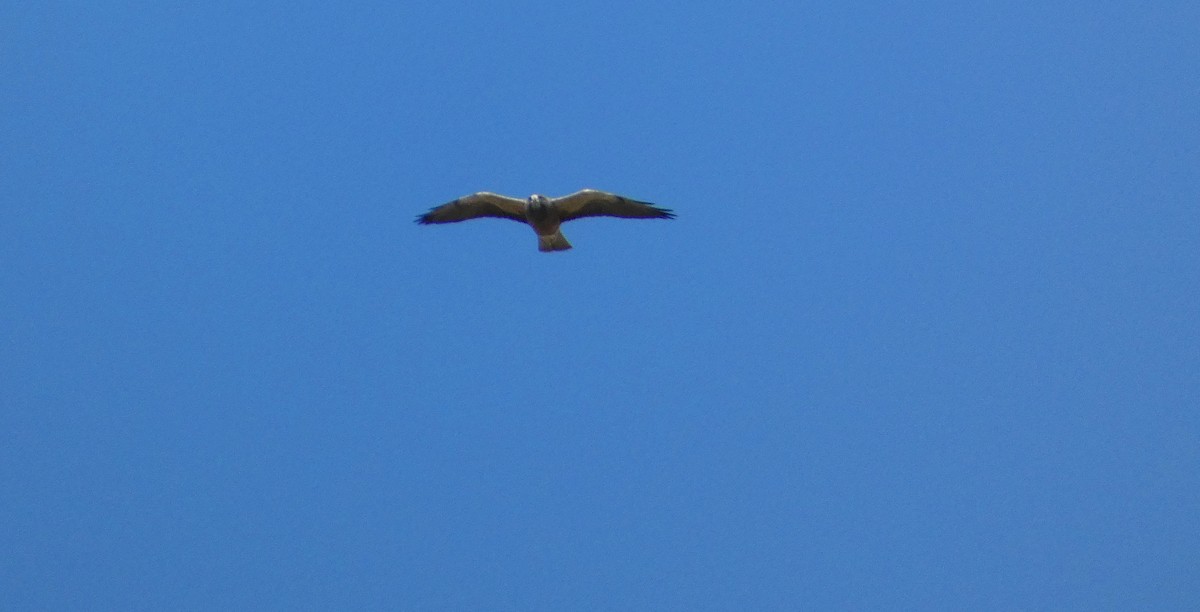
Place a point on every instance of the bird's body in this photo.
(544, 215)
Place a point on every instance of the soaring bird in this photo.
(544, 214)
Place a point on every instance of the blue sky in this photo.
(923, 336)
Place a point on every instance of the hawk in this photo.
(544, 214)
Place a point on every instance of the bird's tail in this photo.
(553, 242)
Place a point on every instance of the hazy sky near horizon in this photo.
(923, 336)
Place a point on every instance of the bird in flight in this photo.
(544, 214)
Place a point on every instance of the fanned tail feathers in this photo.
(553, 242)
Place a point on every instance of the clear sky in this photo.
(925, 334)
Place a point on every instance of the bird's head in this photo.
(539, 201)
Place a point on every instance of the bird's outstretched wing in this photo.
(482, 204)
(592, 203)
